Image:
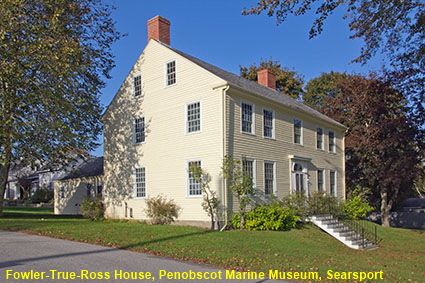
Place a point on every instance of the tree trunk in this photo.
(385, 209)
(4, 170)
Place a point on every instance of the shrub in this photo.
(42, 195)
(268, 217)
(162, 211)
(92, 209)
(356, 208)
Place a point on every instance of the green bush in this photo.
(162, 211)
(92, 209)
(268, 217)
(356, 208)
(42, 195)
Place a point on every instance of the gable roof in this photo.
(89, 168)
(254, 87)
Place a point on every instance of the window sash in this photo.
(171, 73)
(268, 123)
(137, 85)
(268, 178)
(297, 131)
(139, 130)
(320, 180)
(332, 183)
(195, 187)
(140, 183)
(194, 117)
(247, 111)
(319, 138)
(331, 141)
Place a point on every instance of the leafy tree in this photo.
(210, 201)
(382, 147)
(53, 57)
(323, 86)
(287, 81)
(395, 28)
(240, 184)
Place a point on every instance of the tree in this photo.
(395, 28)
(240, 183)
(210, 200)
(288, 82)
(382, 147)
(321, 87)
(53, 57)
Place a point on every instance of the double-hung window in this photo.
(332, 183)
(298, 131)
(331, 141)
(319, 138)
(248, 169)
(194, 186)
(139, 130)
(247, 118)
(170, 77)
(268, 123)
(193, 117)
(140, 182)
(269, 187)
(320, 180)
(137, 85)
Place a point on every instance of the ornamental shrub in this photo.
(356, 208)
(268, 217)
(92, 209)
(162, 211)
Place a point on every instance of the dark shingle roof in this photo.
(91, 167)
(256, 88)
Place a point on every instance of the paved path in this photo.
(54, 260)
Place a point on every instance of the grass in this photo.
(400, 257)
(27, 210)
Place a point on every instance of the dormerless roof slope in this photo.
(256, 88)
(91, 167)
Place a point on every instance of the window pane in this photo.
(171, 73)
(319, 135)
(331, 142)
(195, 188)
(140, 189)
(248, 168)
(333, 183)
(139, 130)
(268, 178)
(320, 180)
(297, 131)
(268, 123)
(194, 117)
(247, 118)
(137, 84)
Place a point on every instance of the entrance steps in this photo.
(342, 233)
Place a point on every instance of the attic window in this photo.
(170, 73)
(137, 85)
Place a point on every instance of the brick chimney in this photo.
(159, 29)
(267, 78)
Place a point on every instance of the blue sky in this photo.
(216, 32)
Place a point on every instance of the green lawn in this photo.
(27, 210)
(401, 256)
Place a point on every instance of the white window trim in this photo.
(274, 190)
(273, 124)
(253, 118)
(141, 86)
(200, 117)
(334, 142)
(134, 130)
(188, 195)
(135, 184)
(336, 183)
(302, 132)
(323, 139)
(166, 75)
(323, 179)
